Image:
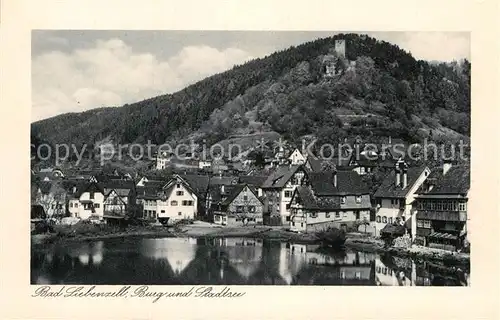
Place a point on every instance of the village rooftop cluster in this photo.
(296, 191)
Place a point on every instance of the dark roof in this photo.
(199, 183)
(118, 184)
(44, 186)
(309, 201)
(216, 192)
(236, 190)
(455, 181)
(348, 182)
(256, 181)
(224, 180)
(318, 164)
(150, 188)
(89, 187)
(280, 177)
(388, 188)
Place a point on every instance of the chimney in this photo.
(334, 178)
(398, 174)
(222, 189)
(390, 140)
(446, 166)
(74, 189)
(405, 177)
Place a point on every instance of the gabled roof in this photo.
(455, 181)
(236, 190)
(318, 164)
(44, 186)
(310, 201)
(251, 180)
(198, 182)
(281, 176)
(89, 187)
(388, 188)
(348, 183)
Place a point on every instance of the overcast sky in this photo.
(73, 71)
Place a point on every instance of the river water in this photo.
(227, 261)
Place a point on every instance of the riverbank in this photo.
(414, 252)
(200, 229)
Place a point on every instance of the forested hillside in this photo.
(379, 89)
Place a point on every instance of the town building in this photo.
(395, 196)
(278, 190)
(440, 209)
(329, 199)
(119, 196)
(86, 200)
(296, 157)
(176, 200)
(242, 207)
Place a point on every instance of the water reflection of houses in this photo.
(243, 254)
(388, 272)
(179, 252)
(87, 253)
(310, 264)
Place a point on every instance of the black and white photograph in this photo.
(270, 158)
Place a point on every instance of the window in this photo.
(301, 225)
(358, 199)
(378, 219)
(342, 200)
(251, 208)
(327, 215)
(184, 202)
(462, 206)
(180, 193)
(313, 215)
(287, 206)
(357, 275)
(163, 211)
(76, 205)
(337, 214)
(362, 170)
(288, 194)
(427, 223)
(245, 198)
(179, 214)
(173, 203)
(178, 186)
(293, 224)
(71, 205)
(403, 218)
(96, 205)
(384, 219)
(390, 219)
(91, 195)
(287, 218)
(114, 201)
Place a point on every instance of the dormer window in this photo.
(342, 200)
(358, 199)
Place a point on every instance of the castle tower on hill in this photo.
(340, 47)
